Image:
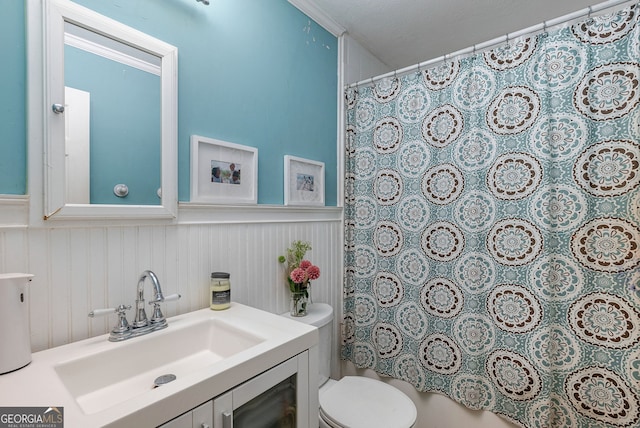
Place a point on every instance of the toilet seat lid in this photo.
(361, 402)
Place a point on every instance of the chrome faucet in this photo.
(141, 315)
(141, 324)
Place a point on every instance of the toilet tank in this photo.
(320, 315)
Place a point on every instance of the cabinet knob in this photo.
(57, 108)
(121, 190)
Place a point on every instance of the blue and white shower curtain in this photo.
(493, 227)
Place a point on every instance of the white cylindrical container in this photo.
(219, 291)
(15, 332)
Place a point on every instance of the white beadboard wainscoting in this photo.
(79, 266)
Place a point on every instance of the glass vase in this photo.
(298, 303)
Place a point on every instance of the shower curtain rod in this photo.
(546, 25)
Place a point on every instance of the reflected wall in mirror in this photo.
(118, 87)
(108, 83)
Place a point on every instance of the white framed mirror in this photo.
(106, 112)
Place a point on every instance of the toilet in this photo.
(353, 401)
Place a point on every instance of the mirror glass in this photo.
(110, 118)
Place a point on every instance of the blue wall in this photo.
(251, 72)
(13, 147)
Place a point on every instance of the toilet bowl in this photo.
(359, 402)
(354, 401)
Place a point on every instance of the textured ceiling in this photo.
(401, 33)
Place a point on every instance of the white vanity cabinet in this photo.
(200, 417)
(280, 396)
(233, 355)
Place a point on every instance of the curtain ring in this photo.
(508, 42)
(589, 18)
(544, 27)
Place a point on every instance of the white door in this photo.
(77, 113)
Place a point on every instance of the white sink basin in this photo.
(128, 369)
(106, 384)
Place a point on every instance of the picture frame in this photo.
(303, 181)
(223, 172)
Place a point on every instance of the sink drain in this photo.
(164, 379)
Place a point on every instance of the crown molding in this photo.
(319, 16)
(110, 53)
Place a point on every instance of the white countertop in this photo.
(38, 384)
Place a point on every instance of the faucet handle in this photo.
(172, 297)
(122, 308)
(101, 312)
(158, 319)
(121, 330)
(108, 311)
(169, 298)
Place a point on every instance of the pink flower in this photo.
(304, 265)
(313, 272)
(298, 275)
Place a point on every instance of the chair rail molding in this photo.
(14, 211)
(193, 213)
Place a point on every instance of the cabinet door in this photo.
(200, 417)
(203, 415)
(276, 397)
(182, 421)
(223, 405)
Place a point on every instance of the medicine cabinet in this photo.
(65, 42)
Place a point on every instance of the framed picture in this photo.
(222, 172)
(303, 181)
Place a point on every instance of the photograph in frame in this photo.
(223, 172)
(303, 181)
